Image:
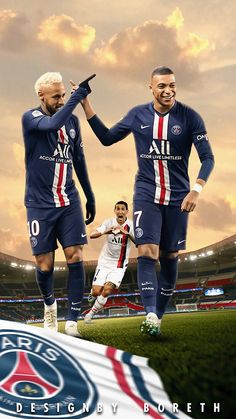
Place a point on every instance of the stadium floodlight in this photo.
(209, 252)
(29, 267)
(193, 257)
(14, 264)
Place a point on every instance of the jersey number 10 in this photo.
(33, 228)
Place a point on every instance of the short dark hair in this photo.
(122, 203)
(161, 71)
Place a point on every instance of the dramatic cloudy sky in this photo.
(121, 41)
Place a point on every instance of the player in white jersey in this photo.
(113, 259)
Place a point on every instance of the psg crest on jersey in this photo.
(72, 133)
(36, 372)
(176, 129)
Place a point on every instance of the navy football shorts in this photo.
(47, 225)
(163, 225)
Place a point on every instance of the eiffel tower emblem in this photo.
(24, 373)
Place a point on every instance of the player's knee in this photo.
(96, 291)
(107, 291)
(44, 262)
(168, 255)
(74, 254)
(148, 250)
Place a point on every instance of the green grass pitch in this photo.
(194, 356)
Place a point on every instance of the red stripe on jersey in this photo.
(160, 163)
(162, 182)
(62, 136)
(60, 178)
(124, 384)
(123, 248)
(160, 128)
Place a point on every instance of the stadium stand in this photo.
(210, 268)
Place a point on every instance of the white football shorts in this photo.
(103, 275)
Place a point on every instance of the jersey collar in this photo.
(151, 107)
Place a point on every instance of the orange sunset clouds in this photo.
(121, 42)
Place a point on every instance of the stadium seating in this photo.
(214, 266)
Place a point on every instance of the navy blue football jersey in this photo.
(53, 147)
(163, 145)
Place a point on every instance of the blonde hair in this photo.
(47, 78)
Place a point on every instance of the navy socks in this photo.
(45, 284)
(166, 283)
(147, 282)
(75, 287)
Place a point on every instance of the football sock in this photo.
(45, 283)
(166, 283)
(147, 282)
(98, 305)
(75, 287)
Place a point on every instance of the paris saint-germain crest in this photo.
(36, 372)
(176, 129)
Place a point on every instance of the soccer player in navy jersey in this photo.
(53, 147)
(164, 131)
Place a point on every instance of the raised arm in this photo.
(104, 228)
(105, 135)
(37, 120)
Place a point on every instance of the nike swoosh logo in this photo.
(181, 241)
(144, 126)
(83, 235)
(74, 304)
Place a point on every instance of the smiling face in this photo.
(121, 213)
(163, 88)
(52, 97)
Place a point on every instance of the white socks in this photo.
(98, 305)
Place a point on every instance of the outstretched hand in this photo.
(74, 86)
(122, 230)
(90, 212)
(85, 83)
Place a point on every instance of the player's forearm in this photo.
(59, 119)
(198, 186)
(131, 237)
(95, 235)
(83, 177)
(206, 157)
(206, 168)
(101, 131)
(88, 109)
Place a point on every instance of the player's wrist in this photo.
(197, 188)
